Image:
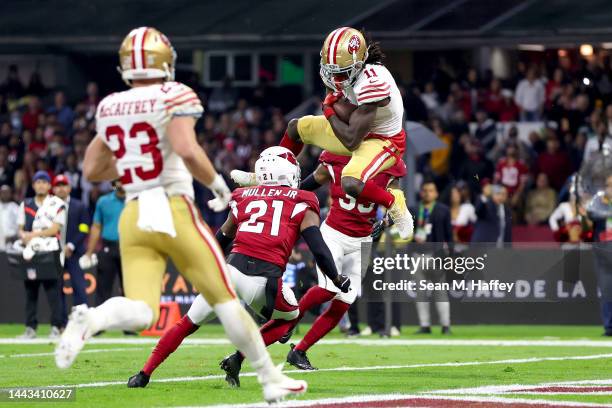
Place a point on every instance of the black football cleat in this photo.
(286, 337)
(446, 330)
(139, 380)
(298, 358)
(232, 365)
(423, 330)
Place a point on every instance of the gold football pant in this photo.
(194, 251)
(370, 158)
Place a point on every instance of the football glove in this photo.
(343, 283)
(379, 227)
(328, 104)
(222, 194)
(243, 178)
(87, 261)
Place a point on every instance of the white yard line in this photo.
(367, 368)
(497, 389)
(581, 382)
(399, 397)
(358, 342)
(102, 350)
(597, 393)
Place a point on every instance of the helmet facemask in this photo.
(337, 78)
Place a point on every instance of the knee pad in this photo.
(352, 186)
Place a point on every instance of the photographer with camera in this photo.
(40, 221)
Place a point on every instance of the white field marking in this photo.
(107, 350)
(118, 340)
(366, 368)
(581, 382)
(357, 342)
(497, 389)
(399, 397)
(597, 393)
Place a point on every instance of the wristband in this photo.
(328, 111)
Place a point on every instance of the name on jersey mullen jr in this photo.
(269, 192)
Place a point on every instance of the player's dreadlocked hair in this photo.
(375, 54)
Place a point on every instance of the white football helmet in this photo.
(277, 166)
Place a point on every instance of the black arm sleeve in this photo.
(320, 251)
(309, 183)
(223, 240)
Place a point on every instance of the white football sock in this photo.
(243, 333)
(423, 313)
(200, 311)
(443, 313)
(121, 313)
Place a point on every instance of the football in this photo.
(343, 109)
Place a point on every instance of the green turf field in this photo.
(474, 356)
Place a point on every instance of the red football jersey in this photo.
(511, 175)
(268, 220)
(350, 216)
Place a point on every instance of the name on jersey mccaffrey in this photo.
(273, 192)
(127, 108)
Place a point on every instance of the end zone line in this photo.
(366, 368)
(349, 401)
(401, 398)
(495, 389)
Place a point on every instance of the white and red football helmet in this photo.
(277, 166)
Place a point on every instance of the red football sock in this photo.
(295, 147)
(168, 343)
(376, 194)
(324, 324)
(273, 330)
(315, 296)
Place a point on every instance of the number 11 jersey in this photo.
(268, 220)
(133, 124)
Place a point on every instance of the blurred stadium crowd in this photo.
(486, 123)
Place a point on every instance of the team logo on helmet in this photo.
(290, 157)
(354, 44)
(165, 39)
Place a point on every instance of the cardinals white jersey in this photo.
(374, 84)
(133, 125)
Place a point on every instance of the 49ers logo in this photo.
(165, 40)
(354, 44)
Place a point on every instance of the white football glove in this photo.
(222, 194)
(28, 253)
(243, 178)
(87, 262)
